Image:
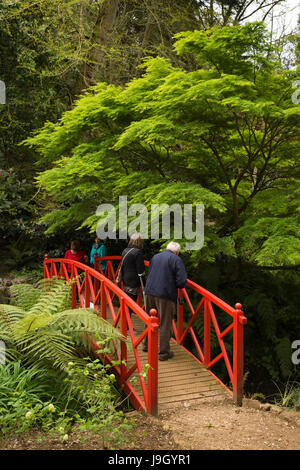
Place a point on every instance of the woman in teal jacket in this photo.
(99, 248)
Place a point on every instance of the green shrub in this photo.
(81, 399)
(39, 327)
(24, 396)
(289, 395)
(46, 384)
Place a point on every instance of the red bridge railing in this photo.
(100, 288)
(93, 286)
(207, 303)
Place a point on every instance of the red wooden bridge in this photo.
(152, 385)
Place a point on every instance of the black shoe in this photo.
(171, 354)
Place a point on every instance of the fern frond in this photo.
(55, 298)
(11, 311)
(24, 295)
(49, 332)
(32, 321)
(11, 353)
(47, 345)
(85, 320)
(9, 315)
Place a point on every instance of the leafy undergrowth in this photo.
(213, 424)
(145, 434)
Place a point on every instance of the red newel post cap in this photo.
(154, 318)
(241, 317)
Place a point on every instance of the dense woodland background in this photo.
(165, 101)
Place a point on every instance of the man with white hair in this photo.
(166, 275)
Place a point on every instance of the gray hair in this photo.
(174, 246)
(136, 240)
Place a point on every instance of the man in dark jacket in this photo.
(166, 275)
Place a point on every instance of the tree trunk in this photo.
(100, 39)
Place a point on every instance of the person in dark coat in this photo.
(166, 275)
(133, 266)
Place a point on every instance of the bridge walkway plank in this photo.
(181, 379)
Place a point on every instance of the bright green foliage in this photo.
(41, 328)
(45, 383)
(21, 390)
(35, 397)
(225, 135)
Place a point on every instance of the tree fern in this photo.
(49, 331)
(24, 295)
(55, 296)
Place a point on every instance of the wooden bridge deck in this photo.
(181, 379)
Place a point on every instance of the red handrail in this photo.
(99, 286)
(235, 368)
(95, 287)
(207, 300)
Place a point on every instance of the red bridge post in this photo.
(74, 287)
(179, 315)
(238, 355)
(153, 363)
(87, 292)
(103, 301)
(46, 273)
(207, 334)
(123, 331)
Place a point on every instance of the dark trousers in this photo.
(166, 310)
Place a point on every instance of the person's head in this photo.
(175, 247)
(136, 240)
(75, 245)
(97, 241)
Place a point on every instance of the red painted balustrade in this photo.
(93, 286)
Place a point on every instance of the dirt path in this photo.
(219, 425)
(209, 425)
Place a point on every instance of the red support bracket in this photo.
(46, 272)
(238, 355)
(153, 363)
(207, 334)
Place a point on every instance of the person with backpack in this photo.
(133, 266)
